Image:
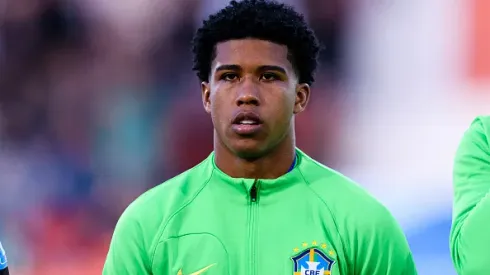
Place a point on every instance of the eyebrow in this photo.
(234, 67)
(229, 67)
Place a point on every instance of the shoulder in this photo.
(474, 147)
(173, 194)
(150, 211)
(334, 187)
(477, 132)
(483, 120)
(351, 206)
(478, 129)
(176, 191)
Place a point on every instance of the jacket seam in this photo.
(160, 233)
(203, 233)
(308, 184)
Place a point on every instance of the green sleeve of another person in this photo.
(470, 232)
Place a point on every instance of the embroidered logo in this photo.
(313, 260)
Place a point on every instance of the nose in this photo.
(248, 93)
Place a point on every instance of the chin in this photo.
(247, 149)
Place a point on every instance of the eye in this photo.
(229, 77)
(269, 77)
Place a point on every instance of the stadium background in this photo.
(98, 103)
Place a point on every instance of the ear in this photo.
(302, 97)
(206, 94)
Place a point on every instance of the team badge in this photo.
(313, 260)
(3, 258)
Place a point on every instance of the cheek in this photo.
(218, 109)
(283, 111)
(288, 101)
(291, 102)
(284, 97)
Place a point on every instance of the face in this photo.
(252, 95)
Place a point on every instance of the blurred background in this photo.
(98, 104)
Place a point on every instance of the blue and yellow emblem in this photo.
(312, 260)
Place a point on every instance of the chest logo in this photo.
(312, 260)
(201, 271)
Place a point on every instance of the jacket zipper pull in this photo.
(253, 192)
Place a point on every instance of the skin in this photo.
(254, 75)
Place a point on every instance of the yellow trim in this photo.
(312, 255)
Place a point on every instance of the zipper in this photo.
(254, 207)
(253, 192)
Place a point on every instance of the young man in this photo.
(257, 205)
(4, 270)
(470, 232)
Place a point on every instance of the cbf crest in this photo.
(313, 260)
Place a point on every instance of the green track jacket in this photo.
(470, 233)
(310, 221)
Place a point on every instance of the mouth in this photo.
(246, 123)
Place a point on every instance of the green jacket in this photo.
(309, 221)
(470, 232)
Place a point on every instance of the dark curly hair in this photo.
(261, 19)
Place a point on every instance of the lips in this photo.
(246, 123)
(247, 118)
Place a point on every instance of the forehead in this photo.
(251, 53)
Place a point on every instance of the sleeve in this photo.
(383, 247)
(4, 270)
(470, 238)
(127, 253)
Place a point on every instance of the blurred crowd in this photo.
(98, 103)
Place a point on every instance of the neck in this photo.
(270, 166)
